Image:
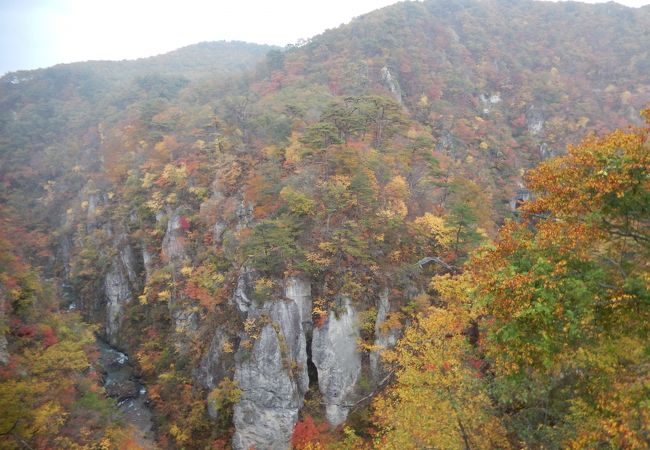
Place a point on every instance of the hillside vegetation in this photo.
(374, 239)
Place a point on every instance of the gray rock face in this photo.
(445, 143)
(118, 294)
(185, 317)
(219, 227)
(244, 214)
(334, 352)
(383, 338)
(186, 321)
(64, 253)
(119, 284)
(522, 195)
(391, 84)
(121, 276)
(147, 261)
(183, 311)
(96, 201)
(534, 120)
(93, 201)
(173, 247)
(4, 351)
(489, 101)
(215, 364)
(545, 151)
(244, 284)
(127, 260)
(272, 376)
(298, 289)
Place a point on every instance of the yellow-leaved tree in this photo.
(439, 398)
(543, 339)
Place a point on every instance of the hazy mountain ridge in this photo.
(216, 58)
(96, 86)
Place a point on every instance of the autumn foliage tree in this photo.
(567, 300)
(48, 397)
(544, 338)
(439, 398)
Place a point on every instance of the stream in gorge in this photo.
(121, 383)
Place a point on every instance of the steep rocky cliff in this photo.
(335, 354)
(271, 371)
(384, 338)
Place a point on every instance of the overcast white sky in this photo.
(41, 33)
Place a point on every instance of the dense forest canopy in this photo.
(375, 239)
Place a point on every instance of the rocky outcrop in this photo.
(546, 151)
(185, 317)
(120, 282)
(220, 201)
(183, 311)
(272, 375)
(119, 382)
(522, 195)
(94, 200)
(334, 352)
(94, 204)
(64, 251)
(383, 338)
(298, 289)
(118, 295)
(391, 83)
(128, 262)
(244, 214)
(147, 262)
(534, 120)
(241, 297)
(173, 246)
(218, 229)
(4, 351)
(214, 203)
(216, 363)
(489, 101)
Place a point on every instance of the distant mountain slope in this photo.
(564, 59)
(504, 83)
(49, 108)
(215, 59)
(97, 82)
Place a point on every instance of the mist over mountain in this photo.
(374, 239)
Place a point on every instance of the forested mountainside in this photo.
(300, 247)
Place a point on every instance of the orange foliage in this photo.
(308, 435)
(194, 291)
